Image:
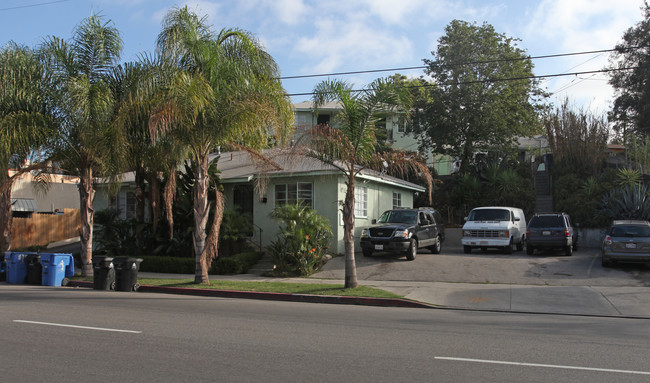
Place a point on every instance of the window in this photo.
(323, 119)
(361, 202)
(291, 194)
(397, 200)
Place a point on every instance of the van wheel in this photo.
(520, 245)
(508, 249)
(412, 250)
(568, 250)
(467, 249)
(437, 246)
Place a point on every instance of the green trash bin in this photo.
(103, 273)
(126, 273)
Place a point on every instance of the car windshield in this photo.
(397, 216)
(630, 231)
(489, 215)
(546, 221)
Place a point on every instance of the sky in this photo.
(329, 36)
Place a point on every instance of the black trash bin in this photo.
(3, 268)
(103, 273)
(126, 273)
(34, 269)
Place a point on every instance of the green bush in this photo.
(302, 242)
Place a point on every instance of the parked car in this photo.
(551, 231)
(494, 227)
(626, 241)
(404, 230)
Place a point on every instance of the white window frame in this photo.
(361, 202)
(397, 197)
(293, 193)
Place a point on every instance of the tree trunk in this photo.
(86, 197)
(5, 214)
(212, 244)
(168, 197)
(139, 205)
(201, 212)
(348, 235)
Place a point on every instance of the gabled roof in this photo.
(239, 167)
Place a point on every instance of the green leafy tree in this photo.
(224, 92)
(350, 144)
(90, 143)
(482, 96)
(630, 77)
(25, 123)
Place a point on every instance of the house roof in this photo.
(23, 204)
(239, 167)
(309, 106)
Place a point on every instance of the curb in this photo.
(285, 297)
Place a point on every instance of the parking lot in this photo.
(583, 268)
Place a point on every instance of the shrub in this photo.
(302, 242)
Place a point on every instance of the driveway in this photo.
(454, 266)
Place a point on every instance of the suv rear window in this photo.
(630, 231)
(546, 221)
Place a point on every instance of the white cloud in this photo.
(290, 12)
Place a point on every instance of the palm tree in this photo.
(91, 145)
(351, 146)
(225, 92)
(25, 123)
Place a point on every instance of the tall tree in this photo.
(350, 144)
(25, 122)
(91, 144)
(483, 95)
(226, 92)
(630, 76)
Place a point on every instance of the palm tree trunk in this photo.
(86, 197)
(212, 244)
(154, 199)
(201, 212)
(348, 235)
(5, 214)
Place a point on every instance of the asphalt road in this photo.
(65, 335)
(583, 268)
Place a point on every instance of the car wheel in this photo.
(412, 250)
(436, 247)
(568, 251)
(367, 253)
(530, 250)
(467, 249)
(508, 249)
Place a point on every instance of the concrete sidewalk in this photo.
(631, 302)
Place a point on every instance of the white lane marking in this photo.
(544, 365)
(74, 326)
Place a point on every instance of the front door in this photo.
(243, 202)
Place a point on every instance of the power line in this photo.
(491, 80)
(32, 5)
(453, 64)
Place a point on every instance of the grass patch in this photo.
(270, 287)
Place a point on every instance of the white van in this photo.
(494, 227)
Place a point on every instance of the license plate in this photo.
(546, 232)
(630, 245)
(379, 247)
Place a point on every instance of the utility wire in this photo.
(491, 80)
(452, 64)
(32, 5)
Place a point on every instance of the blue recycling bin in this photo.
(57, 267)
(16, 267)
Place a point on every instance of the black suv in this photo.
(551, 231)
(404, 230)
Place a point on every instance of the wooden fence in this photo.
(42, 229)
